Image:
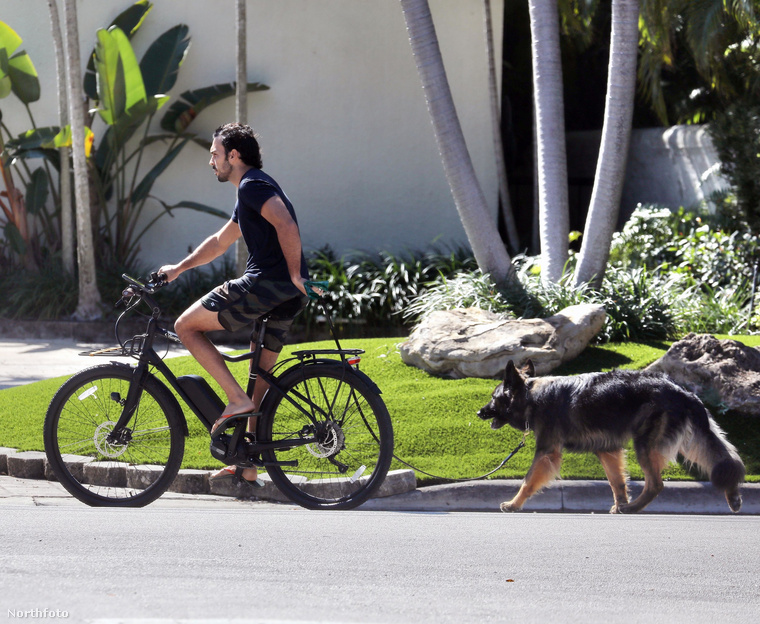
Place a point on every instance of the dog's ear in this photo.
(529, 369)
(512, 377)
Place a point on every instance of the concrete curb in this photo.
(399, 491)
(584, 496)
(34, 465)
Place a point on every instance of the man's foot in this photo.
(233, 410)
(236, 473)
(222, 422)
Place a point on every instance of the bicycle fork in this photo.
(121, 434)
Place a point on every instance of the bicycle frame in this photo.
(142, 347)
(114, 434)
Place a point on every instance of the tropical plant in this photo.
(670, 273)
(707, 248)
(17, 76)
(146, 83)
(126, 96)
(372, 291)
(465, 290)
(127, 100)
(736, 135)
(698, 57)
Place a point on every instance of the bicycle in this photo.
(323, 432)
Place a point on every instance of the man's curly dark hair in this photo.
(242, 138)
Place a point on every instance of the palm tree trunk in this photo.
(88, 307)
(553, 204)
(498, 145)
(613, 152)
(67, 220)
(241, 108)
(487, 246)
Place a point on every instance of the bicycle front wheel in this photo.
(102, 472)
(353, 449)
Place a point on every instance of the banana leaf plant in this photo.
(41, 143)
(129, 94)
(17, 76)
(126, 96)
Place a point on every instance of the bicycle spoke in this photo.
(348, 459)
(95, 462)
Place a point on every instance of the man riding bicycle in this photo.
(274, 279)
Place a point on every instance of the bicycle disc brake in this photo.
(106, 448)
(330, 438)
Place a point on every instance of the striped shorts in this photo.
(245, 300)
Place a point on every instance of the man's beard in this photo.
(222, 177)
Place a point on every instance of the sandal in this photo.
(234, 473)
(223, 422)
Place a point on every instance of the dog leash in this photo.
(488, 474)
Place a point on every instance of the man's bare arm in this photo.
(275, 211)
(210, 249)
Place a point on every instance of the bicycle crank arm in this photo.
(289, 464)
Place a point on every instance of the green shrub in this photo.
(715, 250)
(465, 290)
(736, 135)
(670, 273)
(637, 302)
(373, 291)
(46, 294)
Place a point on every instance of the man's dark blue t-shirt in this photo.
(265, 255)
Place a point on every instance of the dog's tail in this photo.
(710, 450)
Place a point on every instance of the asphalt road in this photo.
(271, 564)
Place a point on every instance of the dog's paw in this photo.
(734, 501)
(623, 509)
(508, 507)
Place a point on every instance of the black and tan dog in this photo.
(600, 413)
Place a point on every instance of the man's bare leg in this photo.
(191, 328)
(267, 362)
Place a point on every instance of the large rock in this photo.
(477, 343)
(719, 371)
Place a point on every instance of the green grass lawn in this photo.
(435, 423)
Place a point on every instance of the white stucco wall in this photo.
(344, 127)
(672, 167)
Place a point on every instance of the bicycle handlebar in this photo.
(155, 281)
(310, 286)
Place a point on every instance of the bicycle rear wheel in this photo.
(354, 446)
(100, 472)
